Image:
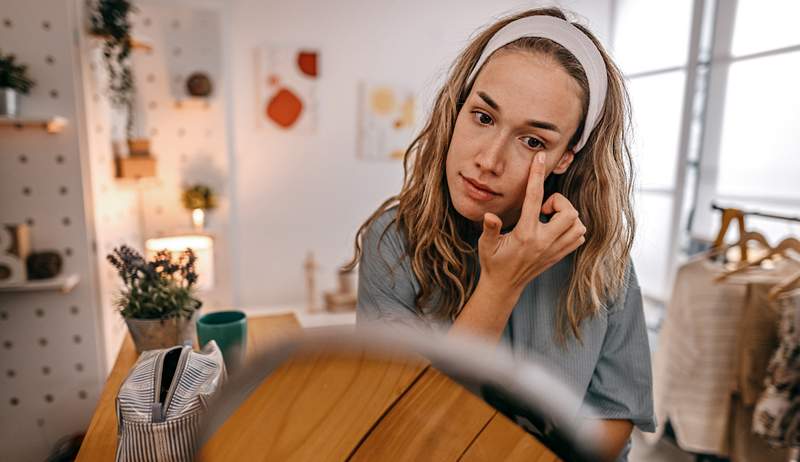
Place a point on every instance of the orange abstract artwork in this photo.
(284, 108)
(287, 92)
(307, 62)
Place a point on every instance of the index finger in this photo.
(534, 193)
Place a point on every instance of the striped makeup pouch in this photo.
(161, 402)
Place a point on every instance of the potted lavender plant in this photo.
(157, 301)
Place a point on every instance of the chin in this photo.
(469, 209)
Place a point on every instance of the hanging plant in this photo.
(109, 19)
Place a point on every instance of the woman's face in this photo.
(520, 104)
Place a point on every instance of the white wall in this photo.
(295, 193)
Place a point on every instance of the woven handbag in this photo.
(161, 402)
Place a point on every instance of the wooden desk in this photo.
(340, 407)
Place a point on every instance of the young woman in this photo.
(515, 222)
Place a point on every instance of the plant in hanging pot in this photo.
(14, 80)
(109, 20)
(198, 199)
(157, 301)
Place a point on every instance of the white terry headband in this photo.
(571, 38)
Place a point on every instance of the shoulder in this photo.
(629, 297)
(384, 231)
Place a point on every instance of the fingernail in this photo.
(540, 157)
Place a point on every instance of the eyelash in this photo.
(480, 114)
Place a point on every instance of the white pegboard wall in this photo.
(115, 204)
(51, 373)
(187, 137)
(188, 142)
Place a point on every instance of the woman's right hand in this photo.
(510, 261)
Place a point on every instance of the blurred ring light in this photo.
(202, 246)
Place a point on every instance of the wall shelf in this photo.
(63, 284)
(136, 44)
(193, 102)
(52, 124)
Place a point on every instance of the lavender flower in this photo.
(158, 289)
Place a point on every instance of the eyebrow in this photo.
(533, 123)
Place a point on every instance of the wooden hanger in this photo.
(790, 283)
(747, 237)
(728, 215)
(789, 243)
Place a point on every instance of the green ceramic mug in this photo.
(229, 330)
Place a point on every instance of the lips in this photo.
(481, 186)
(477, 191)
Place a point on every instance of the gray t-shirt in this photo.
(611, 368)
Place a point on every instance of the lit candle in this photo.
(198, 219)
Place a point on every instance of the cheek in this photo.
(517, 181)
(456, 151)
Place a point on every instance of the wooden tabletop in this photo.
(335, 407)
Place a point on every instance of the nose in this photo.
(490, 157)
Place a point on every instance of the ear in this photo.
(564, 163)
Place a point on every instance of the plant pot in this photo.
(139, 147)
(9, 102)
(151, 334)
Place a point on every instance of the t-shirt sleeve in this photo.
(622, 383)
(386, 285)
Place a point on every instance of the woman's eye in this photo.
(534, 143)
(483, 118)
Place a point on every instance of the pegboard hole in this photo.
(82, 394)
(66, 221)
(26, 191)
(54, 94)
(77, 338)
(13, 401)
(3, 315)
(79, 367)
(42, 342)
(11, 373)
(45, 370)
(48, 398)
(46, 25)
(62, 190)
(29, 221)
(8, 344)
(39, 313)
(59, 159)
(68, 251)
(23, 159)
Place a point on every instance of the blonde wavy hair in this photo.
(599, 183)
